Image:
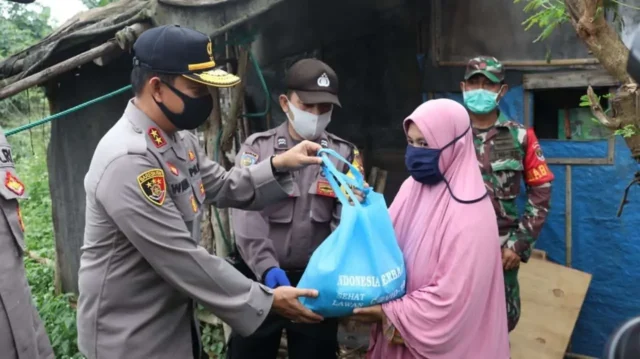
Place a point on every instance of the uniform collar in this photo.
(502, 119)
(284, 141)
(155, 135)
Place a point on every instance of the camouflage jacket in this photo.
(508, 153)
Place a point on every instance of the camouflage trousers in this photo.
(512, 291)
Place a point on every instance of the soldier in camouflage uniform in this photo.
(507, 153)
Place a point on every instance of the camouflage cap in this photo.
(488, 66)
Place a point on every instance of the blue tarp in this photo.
(602, 244)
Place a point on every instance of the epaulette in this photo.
(252, 139)
(133, 138)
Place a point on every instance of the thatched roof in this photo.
(97, 24)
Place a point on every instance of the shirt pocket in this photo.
(282, 211)
(507, 174)
(184, 198)
(321, 207)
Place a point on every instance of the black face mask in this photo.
(195, 112)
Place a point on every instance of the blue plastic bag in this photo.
(360, 263)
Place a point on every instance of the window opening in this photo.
(558, 115)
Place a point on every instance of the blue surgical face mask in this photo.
(480, 101)
(423, 165)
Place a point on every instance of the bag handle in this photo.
(338, 179)
(357, 181)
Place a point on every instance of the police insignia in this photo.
(156, 137)
(153, 186)
(202, 188)
(248, 158)
(173, 169)
(323, 188)
(194, 204)
(192, 156)
(282, 142)
(324, 143)
(13, 184)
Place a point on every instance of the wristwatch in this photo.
(273, 169)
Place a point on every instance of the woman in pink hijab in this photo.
(446, 227)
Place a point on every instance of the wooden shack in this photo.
(390, 56)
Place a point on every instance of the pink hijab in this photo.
(455, 303)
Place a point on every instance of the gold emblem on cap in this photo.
(205, 65)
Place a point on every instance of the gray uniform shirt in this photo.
(141, 265)
(22, 333)
(286, 233)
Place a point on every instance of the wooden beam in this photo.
(54, 71)
(530, 63)
(568, 79)
(579, 161)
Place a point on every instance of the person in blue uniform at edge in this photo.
(277, 242)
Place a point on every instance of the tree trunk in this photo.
(605, 44)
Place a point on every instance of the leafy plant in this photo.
(548, 15)
(96, 3)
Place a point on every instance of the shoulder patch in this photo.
(13, 184)
(156, 137)
(6, 158)
(153, 186)
(254, 137)
(248, 158)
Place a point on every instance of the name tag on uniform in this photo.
(323, 188)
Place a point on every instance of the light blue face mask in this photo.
(480, 101)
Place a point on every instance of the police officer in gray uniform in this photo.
(141, 268)
(277, 242)
(22, 335)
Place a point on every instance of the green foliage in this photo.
(548, 14)
(21, 27)
(212, 340)
(96, 3)
(627, 131)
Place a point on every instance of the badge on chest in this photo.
(323, 188)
